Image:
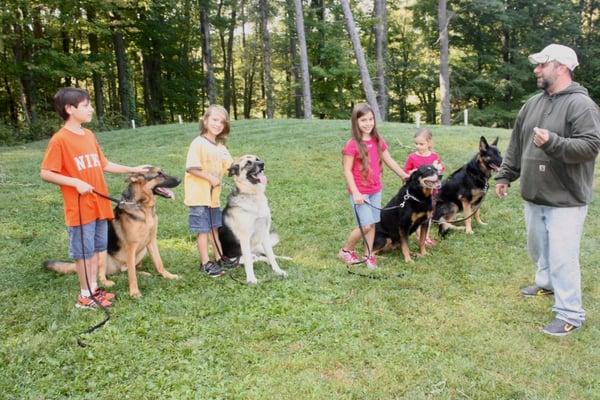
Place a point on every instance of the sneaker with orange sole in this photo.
(88, 302)
(103, 293)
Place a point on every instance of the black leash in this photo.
(91, 329)
(217, 246)
(364, 238)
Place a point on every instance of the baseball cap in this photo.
(556, 52)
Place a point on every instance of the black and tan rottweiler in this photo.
(410, 208)
(132, 233)
(465, 189)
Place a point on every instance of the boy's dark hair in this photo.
(68, 96)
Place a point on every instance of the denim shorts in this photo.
(367, 214)
(95, 238)
(199, 220)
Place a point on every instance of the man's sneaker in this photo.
(532, 291)
(348, 256)
(212, 269)
(103, 293)
(371, 262)
(88, 302)
(228, 263)
(558, 327)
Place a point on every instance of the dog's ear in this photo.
(483, 144)
(495, 142)
(135, 177)
(234, 170)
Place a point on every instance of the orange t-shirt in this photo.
(79, 156)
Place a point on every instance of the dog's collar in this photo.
(408, 196)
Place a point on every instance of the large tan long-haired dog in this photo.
(246, 229)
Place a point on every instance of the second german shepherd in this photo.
(132, 233)
(466, 188)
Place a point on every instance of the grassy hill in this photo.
(451, 326)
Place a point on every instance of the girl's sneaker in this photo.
(371, 262)
(88, 302)
(348, 256)
(430, 242)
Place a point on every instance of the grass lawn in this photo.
(452, 326)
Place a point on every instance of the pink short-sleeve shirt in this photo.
(373, 182)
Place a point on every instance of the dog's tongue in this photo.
(169, 193)
(262, 178)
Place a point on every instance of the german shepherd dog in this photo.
(246, 230)
(132, 233)
(466, 188)
(410, 208)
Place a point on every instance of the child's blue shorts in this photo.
(199, 221)
(95, 239)
(368, 215)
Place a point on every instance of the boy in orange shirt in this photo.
(75, 162)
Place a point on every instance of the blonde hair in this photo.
(359, 110)
(216, 109)
(428, 136)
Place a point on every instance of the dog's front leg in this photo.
(248, 262)
(422, 238)
(157, 260)
(478, 216)
(271, 257)
(134, 291)
(102, 270)
(404, 248)
(467, 214)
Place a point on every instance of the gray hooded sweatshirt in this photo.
(561, 172)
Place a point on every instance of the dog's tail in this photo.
(62, 267)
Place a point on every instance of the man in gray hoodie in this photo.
(553, 148)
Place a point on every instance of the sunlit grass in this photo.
(452, 326)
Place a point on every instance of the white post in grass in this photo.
(418, 120)
(180, 120)
(466, 116)
(133, 123)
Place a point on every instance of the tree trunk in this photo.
(306, 95)
(209, 75)
(121, 60)
(23, 53)
(360, 59)
(443, 22)
(381, 54)
(96, 78)
(267, 81)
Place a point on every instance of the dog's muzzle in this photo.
(432, 182)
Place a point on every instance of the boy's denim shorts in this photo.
(368, 215)
(199, 221)
(95, 239)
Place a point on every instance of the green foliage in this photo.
(451, 326)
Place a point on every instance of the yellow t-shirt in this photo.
(209, 157)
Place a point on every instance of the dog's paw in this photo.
(136, 294)
(168, 275)
(251, 282)
(107, 283)
(409, 260)
(482, 223)
(469, 231)
(422, 254)
(281, 273)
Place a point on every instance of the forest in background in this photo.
(153, 61)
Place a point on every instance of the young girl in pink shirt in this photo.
(363, 155)
(424, 155)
